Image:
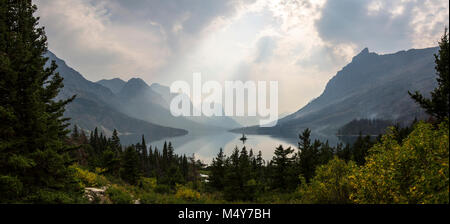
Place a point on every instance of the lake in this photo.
(206, 147)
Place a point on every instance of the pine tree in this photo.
(307, 155)
(185, 168)
(259, 165)
(34, 163)
(165, 157)
(115, 142)
(144, 157)
(360, 149)
(325, 153)
(438, 105)
(170, 153)
(233, 183)
(130, 171)
(282, 163)
(151, 161)
(75, 133)
(305, 141)
(217, 176)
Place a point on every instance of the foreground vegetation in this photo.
(41, 163)
(414, 169)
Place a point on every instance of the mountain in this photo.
(137, 90)
(222, 121)
(115, 85)
(95, 106)
(138, 100)
(152, 103)
(164, 92)
(76, 84)
(371, 86)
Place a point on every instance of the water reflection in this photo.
(206, 147)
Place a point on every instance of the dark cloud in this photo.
(349, 21)
(194, 14)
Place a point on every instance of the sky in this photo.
(299, 43)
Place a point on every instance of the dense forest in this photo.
(372, 127)
(41, 161)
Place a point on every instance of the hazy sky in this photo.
(302, 43)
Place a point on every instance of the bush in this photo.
(415, 171)
(47, 196)
(331, 185)
(148, 183)
(89, 179)
(187, 193)
(163, 189)
(118, 195)
(149, 198)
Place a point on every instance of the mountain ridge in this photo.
(370, 86)
(95, 106)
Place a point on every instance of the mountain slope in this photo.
(115, 85)
(152, 103)
(95, 105)
(222, 121)
(372, 86)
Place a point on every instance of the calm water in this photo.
(206, 147)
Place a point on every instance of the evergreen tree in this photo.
(217, 176)
(282, 163)
(343, 153)
(361, 149)
(185, 168)
(165, 157)
(111, 162)
(438, 105)
(325, 154)
(130, 171)
(308, 155)
(233, 185)
(144, 157)
(34, 163)
(75, 133)
(248, 184)
(115, 142)
(260, 169)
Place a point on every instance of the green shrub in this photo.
(89, 179)
(415, 171)
(118, 195)
(149, 198)
(331, 185)
(187, 194)
(163, 189)
(47, 196)
(147, 183)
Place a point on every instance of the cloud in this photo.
(104, 39)
(83, 35)
(300, 43)
(383, 25)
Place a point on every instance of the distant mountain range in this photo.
(133, 108)
(152, 103)
(96, 106)
(372, 86)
